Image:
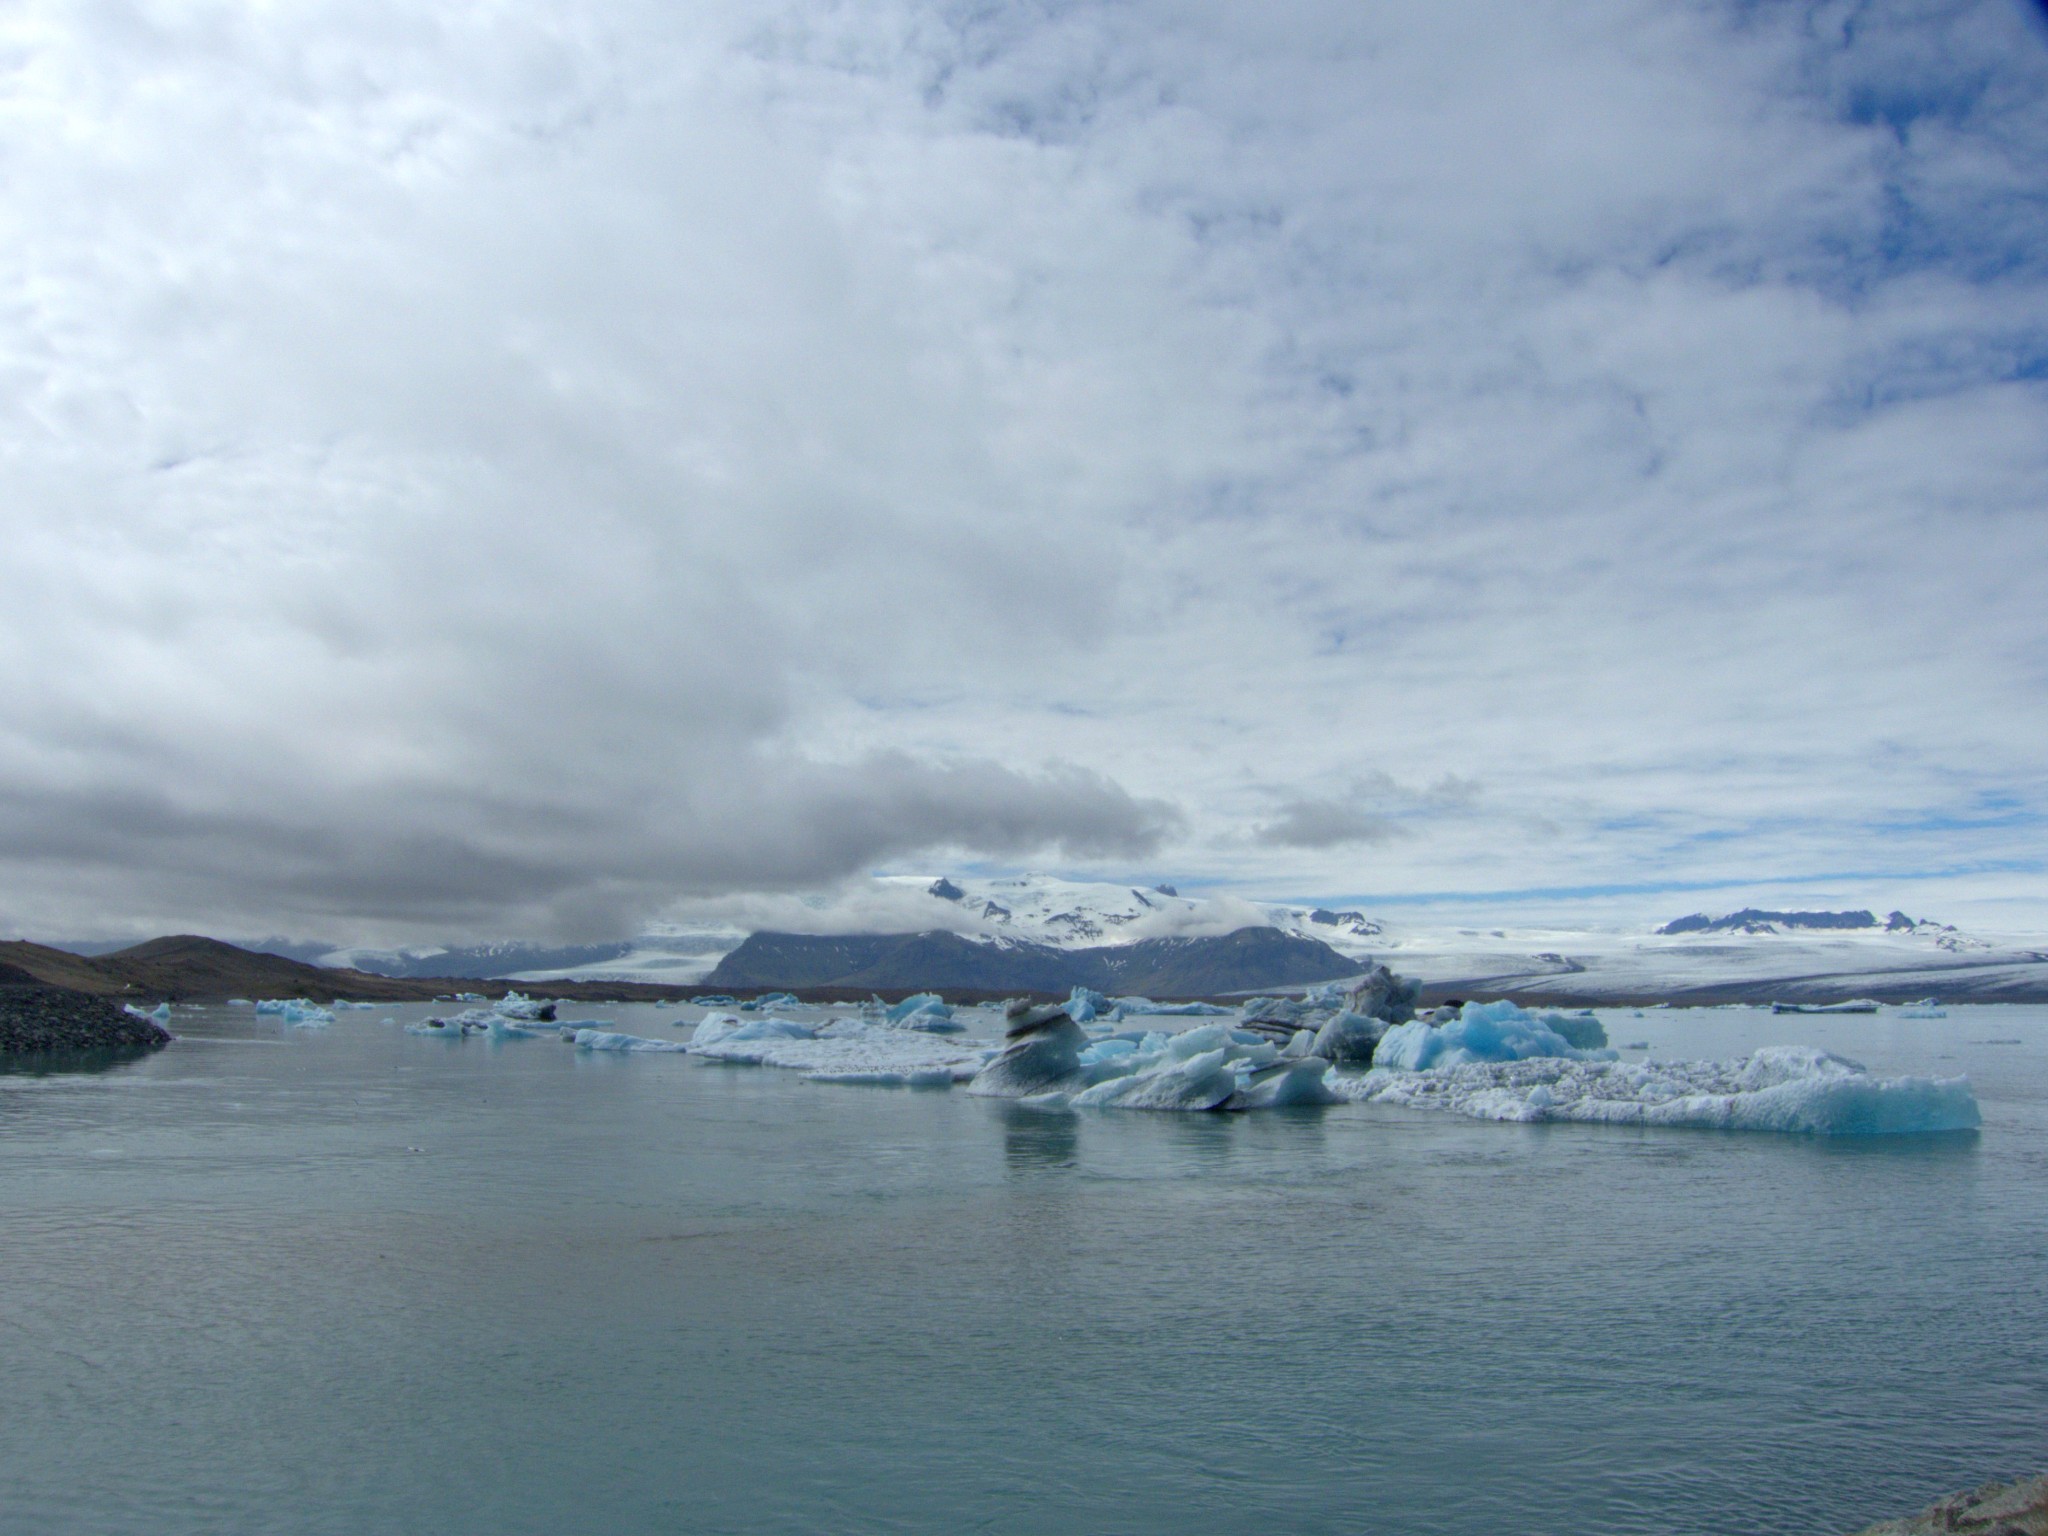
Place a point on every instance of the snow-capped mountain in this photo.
(1072, 914)
(1749, 953)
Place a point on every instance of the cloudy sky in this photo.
(506, 468)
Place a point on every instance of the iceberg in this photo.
(1041, 1054)
(1789, 1089)
(1050, 1063)
(923, 1010)
(307, 1016)
(718, 1028)
(778, 1000)
(1350, 1039)
(160, 1014)
(1084, 1005)
(515, 1005)
(1485, 1032)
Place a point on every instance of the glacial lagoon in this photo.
(352, 1280)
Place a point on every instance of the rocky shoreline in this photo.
(1996, 1509)
(36, 1019)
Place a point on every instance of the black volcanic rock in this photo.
(945, 890)
(1199, 967)
(35, 1019)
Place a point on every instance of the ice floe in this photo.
(841, 1051)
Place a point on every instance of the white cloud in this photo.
(500, 471)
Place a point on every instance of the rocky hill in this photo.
(41, 1020)
(189, 968)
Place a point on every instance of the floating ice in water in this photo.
(471, 997)
(307, 1016)
(1785, 1088)
(1857, 1005)
(777, 1000)
(714, 1000)
(471, 1021)
(1485, 1032)
(160, 1014)
(611, 1040)
(359, 1007)
(1923, 1011)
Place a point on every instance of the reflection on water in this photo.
(1037, 1138)
(47, 1063)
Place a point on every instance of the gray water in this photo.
(355, 1281)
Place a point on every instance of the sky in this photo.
(524, 469)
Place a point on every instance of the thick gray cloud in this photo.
(504, 471)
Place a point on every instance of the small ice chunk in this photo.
(612, 1040)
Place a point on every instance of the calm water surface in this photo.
(354, 1281)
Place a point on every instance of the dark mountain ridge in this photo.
(1757, 920)
(1249, 959)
